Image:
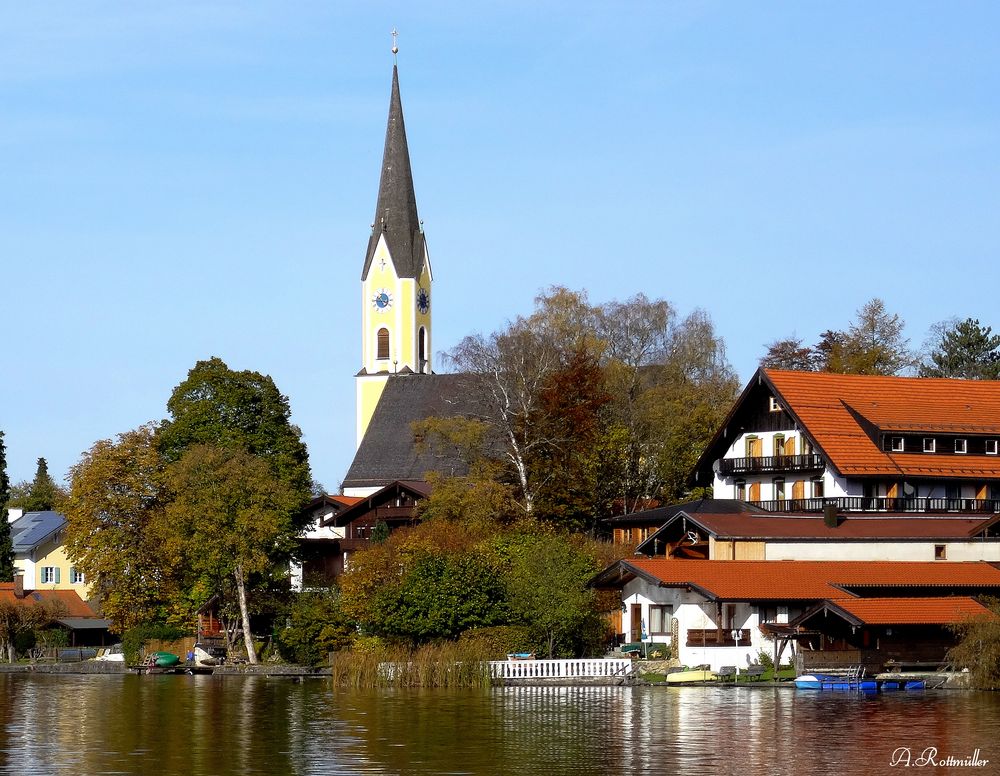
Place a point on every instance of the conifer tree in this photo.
(43, 491)
(6, 542)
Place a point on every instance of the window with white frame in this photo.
(991, 447)
(896, 444)
(817, 488)
(779, 488)
(76, 576)
(960, 446)
(930, 444)
(659, 619)
(50, 575)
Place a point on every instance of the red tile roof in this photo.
(74, 606)
(833, 407)
(746, 580)
(911, 611)
(750, 525)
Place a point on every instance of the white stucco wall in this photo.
(693, 611)
(314, 531)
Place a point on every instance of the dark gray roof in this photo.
(389, 452)
(33, 528)
(396, 211)
(712, 506)
(84, 623)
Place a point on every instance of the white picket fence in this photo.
(560, 669)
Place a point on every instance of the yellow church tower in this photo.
(396, 279)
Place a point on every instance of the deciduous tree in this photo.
(19, 618)
(116, 531)
(240, 410)
(791, 354)
(233, 516)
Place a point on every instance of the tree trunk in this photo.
(241, 594)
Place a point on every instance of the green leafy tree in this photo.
(964, 349)
(441, 596)
(6, 541)
(240, 410)
(117, 533)
(234, 517)
(546, 581)
(316, 627)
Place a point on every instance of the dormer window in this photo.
(991, 447)
(896, 444)
(772, 404)
(930, 444)
(960, 446)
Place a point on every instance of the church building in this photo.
(396, 384)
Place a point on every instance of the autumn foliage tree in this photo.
(116, 531)
(593, 406)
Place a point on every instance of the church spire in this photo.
(396, 212)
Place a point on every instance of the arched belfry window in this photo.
(382, 349)
(422, 349)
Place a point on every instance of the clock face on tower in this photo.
(382, 300)
(423, 301)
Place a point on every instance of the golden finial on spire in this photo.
(395, 48)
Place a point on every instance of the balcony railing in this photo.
(712, 637)
(771, 463)
(866, 504)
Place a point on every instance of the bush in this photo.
(498, 641)
(765, 660)
(978, 649)
(316, 627)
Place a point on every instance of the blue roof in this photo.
(33, 528)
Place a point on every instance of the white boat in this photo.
(112, 654)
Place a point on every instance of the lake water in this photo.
(194, 725)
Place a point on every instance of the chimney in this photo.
(830, 517)
(18, 584)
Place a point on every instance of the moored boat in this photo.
(692, 676)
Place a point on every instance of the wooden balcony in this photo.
(713, 637)
(866, 504)
(768, 464)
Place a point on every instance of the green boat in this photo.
(164, 659)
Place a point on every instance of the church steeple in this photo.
(396, 211)
(396, 279)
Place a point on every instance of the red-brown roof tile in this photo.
(832, 407)
(745, 580)
(945, 610)
(74, 606)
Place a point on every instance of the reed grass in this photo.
(446, 664)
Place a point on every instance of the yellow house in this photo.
(39, 553)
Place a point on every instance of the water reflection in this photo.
(206, 725)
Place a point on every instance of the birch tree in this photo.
(234, 517)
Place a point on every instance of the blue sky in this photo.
(189, 179)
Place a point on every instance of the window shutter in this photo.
(57, 574)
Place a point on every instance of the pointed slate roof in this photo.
(396, 211)
(389, 451)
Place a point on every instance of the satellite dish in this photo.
(692, 537)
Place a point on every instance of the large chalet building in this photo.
(797, 441)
